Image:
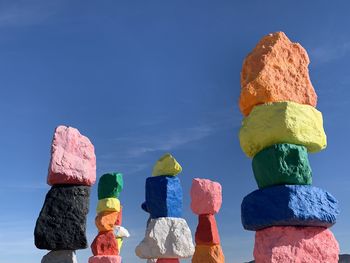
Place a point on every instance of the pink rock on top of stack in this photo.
(295, 244)
(206, 197)
(73, 159)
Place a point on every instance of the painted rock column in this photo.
(168, 237)
(107, 244)
(206, 200)
(61, 224)
(281, 126)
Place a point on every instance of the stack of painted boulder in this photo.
(168, 236)
(61, 224)
(107, 244)
(206, 200)
(291, 218)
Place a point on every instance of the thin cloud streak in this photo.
(21, 13)
(329, 52)
(131, 150)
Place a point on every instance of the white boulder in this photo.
(166, 237)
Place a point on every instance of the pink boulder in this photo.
(73, 159)
(206, 197)
(168, 260)
(289, 244)
(105, 259)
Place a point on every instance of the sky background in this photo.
(141, 78)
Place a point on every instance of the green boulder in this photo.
(282, 164)
(110, 185)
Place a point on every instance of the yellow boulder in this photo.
(282, 122)
(108, 204)
(119, 243)
(166, 165)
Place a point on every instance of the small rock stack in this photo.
(168, 236)
(61, 225)
(206, 200)
(107, 244)
(281, 125)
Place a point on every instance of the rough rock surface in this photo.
(73, 159)
(105, 259)
(276, 70)
(208, 254)
(282, 164)
(60, 256)
(282, 122)
(167, 165)
(105, 221)
(163, 196)
(61, 224)
(105, 243)
(108, 204)
(295, 245)
(166, 237)
(206, 196)
(110, 185)
(207, 231)
(288, 205)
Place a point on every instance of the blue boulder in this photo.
(288, 205)
(163, 196)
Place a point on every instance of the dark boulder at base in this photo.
(344, 258)
(61, 224)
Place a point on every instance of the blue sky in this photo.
(141, 78)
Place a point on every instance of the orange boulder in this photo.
(276, 70)
(208, 254)
(105, 221)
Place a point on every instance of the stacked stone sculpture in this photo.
(281, 125)
(107, 244)
(61, 224)
(168, 237)
(206, 200)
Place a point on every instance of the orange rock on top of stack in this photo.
(276, 70)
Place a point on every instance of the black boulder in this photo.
(61, 224)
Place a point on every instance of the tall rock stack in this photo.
(281, 125)
(206, 200)
(61, 225)
(107, 244)
(168, 237)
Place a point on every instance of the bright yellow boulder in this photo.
(166, 165)
(119, 243)
(108, 204)
(282, 122)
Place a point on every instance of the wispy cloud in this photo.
(30, 186)
(167, 141)
(329, 52)
(23, 13)
(16, 238)
(130, 151)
